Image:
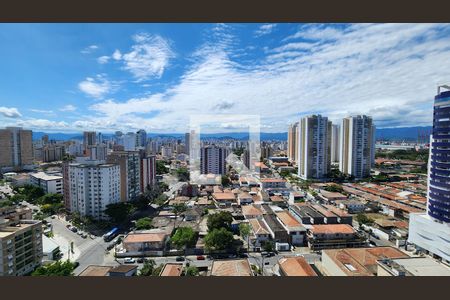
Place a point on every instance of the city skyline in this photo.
(107, 77)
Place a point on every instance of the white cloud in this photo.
(389, 71)
(148, 58)
(265, 29)
(117, 55)
(89, 49)
(103, 59)
(68, 107)
(96, 87)
(10, 112)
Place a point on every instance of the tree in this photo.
(219, 239)
(177, 210)
(363, 219)
(334, 188)
(119, 212)
(191, 271)
(268, 246)
(58, 268)
(183, 174)
(219, 220)
(148, 268)
(144, 223)
(161, 167)
(184, 237)
(244, 231)
(225, 180)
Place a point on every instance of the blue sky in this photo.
(107, 77)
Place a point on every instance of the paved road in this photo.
(89, 251)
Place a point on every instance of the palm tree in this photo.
(177, 210)
(244, 231)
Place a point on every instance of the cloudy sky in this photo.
(107, 77)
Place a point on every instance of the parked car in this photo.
(74, 229)
(80, 233)
(53, 217)
(84, 235)
(110, 246)
(129, 260)
(68, 226)
(140, 260)
(200, 257)
(179, 258)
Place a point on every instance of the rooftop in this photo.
(93, 270)
(45, 176)
(123, 268)
(251, 210)
(145, 237)
(332, 229)
(416, 266)
(296, 266)
(232, 267)
(172, 269)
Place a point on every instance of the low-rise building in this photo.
(172, 269)
(278, 233)
(273, 183)
(411, 266)
(145, 242)
(50, 183)
(356, 262)
(294, 266)
(260, 234)
(224, 199)
(94, 270)
(332, 236)
(231, 267)
(123, 271)
(293, 227)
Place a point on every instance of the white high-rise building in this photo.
(213, 160)
(314, 147)
(357, 146)
(97, 152)
(166, 151)
(335, 143)
(92, 188)
(128, 141)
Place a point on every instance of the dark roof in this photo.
(273, 223)
(123, 269)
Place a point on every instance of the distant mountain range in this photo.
(398, 133)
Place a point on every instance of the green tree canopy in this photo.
(119, 212)
(219, 239)
(183, 174)
(161, 167)
(192, 271)
(226, 180)
(144, 223)
(244, 229)
(184, 237)
(148, 268)
(218, 220)
(59, 268)
(363, 219)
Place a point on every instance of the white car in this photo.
(129, 260)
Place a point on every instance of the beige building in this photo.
(16, 148)
(292, 142)
(130, 173)
(20, 247)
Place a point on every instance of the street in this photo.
(88, 251)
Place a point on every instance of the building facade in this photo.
(335, 143)
(92, 188)
(314, 147)
(89, 139)
(213, 160)
(20, 247)
(50, 183)
(148, 172)
(292, 142)
(16, 148)
(431, 231)
(357, 146)
(130, 173)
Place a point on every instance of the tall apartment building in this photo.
(16, 148)
(335, 143)
(357, 146)
(92, 188)
(166, 151)
(148, 172)
(141, 138)
(53, 152)
(431, 231)
(314, 147)
(20, 247)
(89, 139)
(213, 160)
(266, 150)
(50, 183)
(130, 173)
(292, 142)
(97, 152)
